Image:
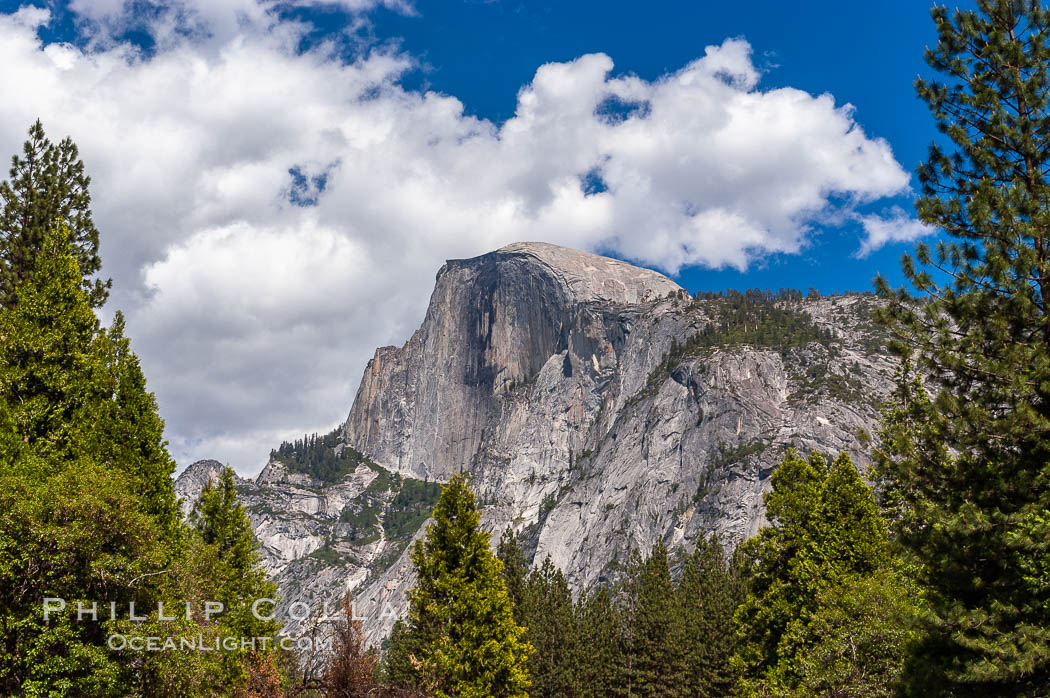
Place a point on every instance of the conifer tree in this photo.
(460, 628)
(51, 369)
(551, 629)
(708, 595)
(230, 558)
(73, 389)
(543, 606)
(778, 555)
(72, 522)
(602, 655)
(654, 629)
(129, 431)
(219, 519)
(88, 510)
(402, 657)
(825, 527)
(515, 572)
(47, 185)
(966, 474)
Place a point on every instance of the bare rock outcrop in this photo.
(598, 408)
(193, 479)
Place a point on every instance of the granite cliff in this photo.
(598, 408)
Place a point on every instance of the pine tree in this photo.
(47, 185)
(460, 629)
(129, 430)
(551, 628)
(654, 627)
(850, 534)
(543, 606)
(52, 367)
(222, 524)
(515, 572)
(72, 522)
(779, 556)
(825, 528)
(602, 656)
(88, 510)
(402, 657)
(73, 389)
(708, 595)
(967, 473)
(228, 553)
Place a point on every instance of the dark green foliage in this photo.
(515, 572)
(653, 632)
(330, 556)
(403, 655)
(727, 455)
(74, 389)
(707, 596)
(52, 354)
(384, 481)
(460, 637)
(649, 636)
(219, 520)
(236, 578)
(966, 472)
(87, 504)
(547, 506)
(602, 656)
(825, 528)
(411, 507)
(820, 382)
(758, 318)
(47, 185)
(551, 628)
(363, 519)
(75, 533)
(88, 509)
(317, 456)
(399, 517)
(754, 317)
(132, 429)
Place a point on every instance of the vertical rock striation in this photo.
(566, 385)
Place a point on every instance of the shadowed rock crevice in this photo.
(598, 408)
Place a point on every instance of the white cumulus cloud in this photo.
(254, 314)
(897, 226)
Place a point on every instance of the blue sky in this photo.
(867, 54)
(277, 183)
(483, 51)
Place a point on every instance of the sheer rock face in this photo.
(539, 370)
(494, 324)
(536, 371)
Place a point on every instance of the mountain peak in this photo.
(589, 276)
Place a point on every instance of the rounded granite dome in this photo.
(593, 277)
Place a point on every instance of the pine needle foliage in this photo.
(825, 527)
(965, 470)
(47, 185)
(324, 457)
(460, 637)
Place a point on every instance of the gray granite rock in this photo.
(192, 480)
(538, 370)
